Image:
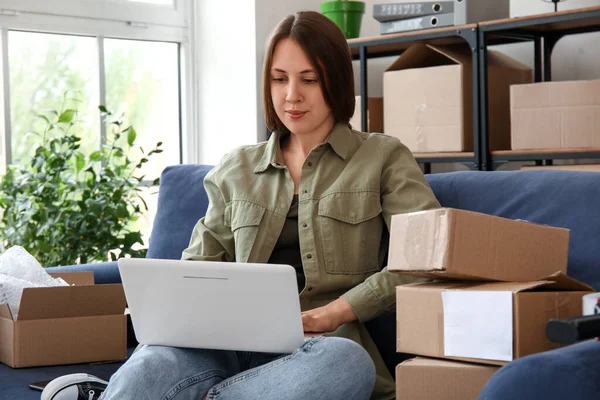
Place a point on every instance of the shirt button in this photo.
(310, 164)
(309, 256)
(306, 192)
(309, 289)
(304, 225)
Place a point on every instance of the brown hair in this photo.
(327, 49)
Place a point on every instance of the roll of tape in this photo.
(590, 304)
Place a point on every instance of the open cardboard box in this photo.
(491, 323)
(447, 243)
(428, 98)
(427, 378)
(65, 325)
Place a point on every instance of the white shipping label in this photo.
(478, 324)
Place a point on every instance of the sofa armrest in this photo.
(104, 272)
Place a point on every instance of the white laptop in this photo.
(213, 305)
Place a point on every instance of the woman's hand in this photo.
(328, 318)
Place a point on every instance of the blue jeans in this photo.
(571, 372)
(322, 368)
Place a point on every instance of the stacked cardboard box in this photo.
(496, 283)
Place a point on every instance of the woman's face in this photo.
(296, 91)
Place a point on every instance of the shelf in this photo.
(545, 30)
(394, 44)
(570, 21)
(444, 157)
(545, 154)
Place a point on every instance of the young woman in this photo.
(318, 196)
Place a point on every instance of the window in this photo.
(124, 54)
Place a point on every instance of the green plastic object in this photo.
(347, 15)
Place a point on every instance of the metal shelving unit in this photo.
(394, 45)
(544, 31)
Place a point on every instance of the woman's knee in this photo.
(349, 359)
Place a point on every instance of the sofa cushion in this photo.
(567, 199)
(182, 201)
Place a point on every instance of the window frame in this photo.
(113, 10)
(32, 16)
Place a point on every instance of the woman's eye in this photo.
(278, 79)
(310, 81)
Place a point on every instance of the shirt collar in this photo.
(272, 156)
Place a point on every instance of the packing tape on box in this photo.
(425, 243)
(420, 138)
(590, 304)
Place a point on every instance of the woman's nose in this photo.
(293, 93)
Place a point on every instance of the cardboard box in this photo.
(65, 325)
(447, 243)
(428, 93)
(374, 115)
(574, 167)
(555, 115)
(430, 379)
(491, 323)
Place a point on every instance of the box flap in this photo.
(499, 59)
(514, 287)
(71, 301)
(420, 56)
(459, 54)
(5, 311)
(556, 281)
(75, 278)
(444, 275)
(560, 281)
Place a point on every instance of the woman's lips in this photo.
(296, 114)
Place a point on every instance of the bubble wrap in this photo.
(19, 270)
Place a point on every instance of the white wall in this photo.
(574, 57)
(230, 38)
(226, 45)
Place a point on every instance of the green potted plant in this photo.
(66, 207)
(346, 14)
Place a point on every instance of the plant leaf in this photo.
(67, 116)
(79, 161)
(95, 156)
(131, 135)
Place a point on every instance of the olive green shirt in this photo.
(350, 187)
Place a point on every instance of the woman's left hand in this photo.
(328, 318)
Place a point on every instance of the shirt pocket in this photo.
(351, 228)
(243, 218)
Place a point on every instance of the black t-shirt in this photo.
(287, 248)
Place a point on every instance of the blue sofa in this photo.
(557, 198)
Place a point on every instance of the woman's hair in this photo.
(327, 49)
